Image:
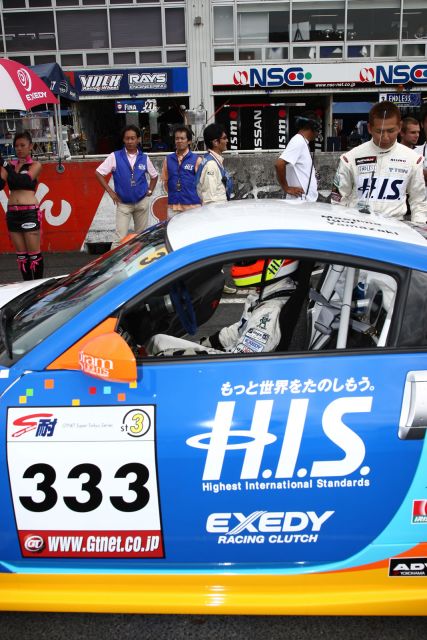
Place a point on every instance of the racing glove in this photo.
(212, 341)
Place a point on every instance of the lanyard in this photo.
(132, 170)
(178, 182)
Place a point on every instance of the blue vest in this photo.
(182, 174)
(122, 177)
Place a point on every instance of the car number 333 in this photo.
(90, 486)
(63, 479)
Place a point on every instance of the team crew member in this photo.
(295, 167)
(178, 174)
(410, 132)
(23, 216)
(422, 149)
(214, 184)
(376, 176)
(258, 329)
(130, 167)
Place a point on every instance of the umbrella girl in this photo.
(23, 216)
(21, 88)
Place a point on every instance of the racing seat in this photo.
(293, 316)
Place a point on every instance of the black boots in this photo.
(30, 265)
(35, 260)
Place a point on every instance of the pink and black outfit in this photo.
(22, 218)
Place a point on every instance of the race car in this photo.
(254, 481)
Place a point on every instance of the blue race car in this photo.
(283, 471)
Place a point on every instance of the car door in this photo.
(290, 460)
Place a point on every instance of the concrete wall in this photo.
(254, 177)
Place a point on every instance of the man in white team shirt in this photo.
(295, 167)
(422, 148)
(376, 176)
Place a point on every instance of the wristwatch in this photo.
(149, 192)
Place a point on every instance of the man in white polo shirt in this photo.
(295, 167)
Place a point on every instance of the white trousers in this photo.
(124, 213)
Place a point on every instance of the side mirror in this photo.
(108, 357)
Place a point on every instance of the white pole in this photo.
(57, 112)
(345, 308)
(328, 287)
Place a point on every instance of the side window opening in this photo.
(325, 306)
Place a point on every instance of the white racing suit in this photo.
(257, 331)
(376, 180)
(210, 187)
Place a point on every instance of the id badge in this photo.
(178, 185)
(132, 182)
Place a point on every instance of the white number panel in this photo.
(84, 481)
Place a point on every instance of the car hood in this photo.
(13, 290)
(9, 292)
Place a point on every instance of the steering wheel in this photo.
(183, 305)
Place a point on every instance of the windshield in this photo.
(28, 319)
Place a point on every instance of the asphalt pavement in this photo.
(75, 626)
(56, 264)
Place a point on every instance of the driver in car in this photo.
(259, 328)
